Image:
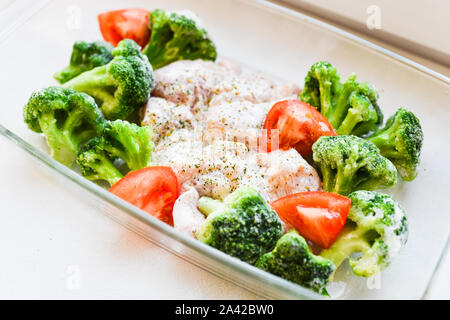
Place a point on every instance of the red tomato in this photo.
(125, 24)
(299, 126)
(152, 189)
(318, 216)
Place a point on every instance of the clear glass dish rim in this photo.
(236, 265)
(278, 283)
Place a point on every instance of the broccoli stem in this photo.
(341, 106)
(75, 120)
(130, 154)
(110, 174)
(310, 97)
(96, 77)
(207, 205)
(74, 131)
(328, 178)
(350, 241)
(69, 72)
(384, 141)
(351, 120)
(85, 135)
(62, 75)
(57, 139)
(95, 83)
(344, 179)
(158, 59)
(104, 170)
(360, 107)
(326, 95)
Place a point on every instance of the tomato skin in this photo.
(152, 189)
(299, 126)
(125, 24)
(318, 216)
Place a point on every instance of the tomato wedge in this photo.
(125, 24)
(152, 189)
(299, 126)
(318, 216)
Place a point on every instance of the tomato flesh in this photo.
(299, 125)
(318, 216)
(152, 189)
(125, 24)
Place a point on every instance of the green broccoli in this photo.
(322, 87)
(67, 118)
(356, 111)
(85, 56)
(378, 230)
(121, 86)
(119, 140)
(177, 36)
(350, 163)
(244, 226)
(97, 164)
(292, 260)
(401, 142)
(351, 107)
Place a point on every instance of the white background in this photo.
(415, 25)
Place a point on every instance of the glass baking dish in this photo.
(36, 40)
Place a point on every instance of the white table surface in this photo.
(55, 246)
(414, 25)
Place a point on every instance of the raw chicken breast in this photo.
(221, 167)
(286, 172)
(165, 116)
(238, 121)
(201, 83)
(189, 82)
(207, 119)
(186, 217)
(253, 87)
(215, 170)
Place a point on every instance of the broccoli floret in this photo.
(350, 163)
(351, 107)
(322, 87)
(292, 260)
(356, 111)
(378, 231)
(401, 142)
(121, 86)
(67, 118)
(177, 36)
(245, 226)
(96, 163)
(85, 56)
(119, 140)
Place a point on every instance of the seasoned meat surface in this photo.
(207, 119)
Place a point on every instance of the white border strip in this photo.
(297, 15)
(16, 14)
